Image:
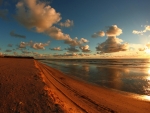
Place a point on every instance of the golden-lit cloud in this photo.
(42, 18)
(36, 15)
(57, 33)
(112, 43)
(23, 45)
(85, 48)
(113, 31)
(76, 42)
(67, 23)
(34, 45)
(98, 34)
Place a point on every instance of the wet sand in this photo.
(29, 86)
(77, 96)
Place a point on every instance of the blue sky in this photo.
(67, 27)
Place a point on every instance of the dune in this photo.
(27, 85)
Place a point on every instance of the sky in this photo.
(93, 28)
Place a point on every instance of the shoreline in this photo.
(87, 97)
(27, 85)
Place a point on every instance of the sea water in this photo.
(129, 75)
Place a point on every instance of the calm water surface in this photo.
(125, 75)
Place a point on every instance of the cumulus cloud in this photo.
(40, 45)
(13, 34)
(98, 34)
(23, 45)
(112, 43)
(9, 45)
(85, 48)
(41, 17)
(113, 31)
(67, 23)
(37, 15)
(56, 33)
(34, 45)
(147, 28)
(72, 49)
(3, 14)
(56, 48)
(76, 42)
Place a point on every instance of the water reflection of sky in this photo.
(134, 80)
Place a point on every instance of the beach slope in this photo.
(77, 96)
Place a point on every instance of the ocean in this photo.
(127, 75)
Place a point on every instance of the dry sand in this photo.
(27, 86)
(22, 89)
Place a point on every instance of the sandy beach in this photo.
(27, 85)
(22, 89)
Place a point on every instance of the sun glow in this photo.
(147, 51)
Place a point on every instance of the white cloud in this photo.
(67, 23)
(147, 28)
(137, 32)
(113, 31)
(98, 34)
